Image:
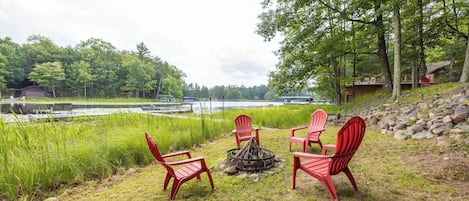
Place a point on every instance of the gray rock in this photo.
(430, 135)
(222, 163)
(254, 178)
(401, 135)
(466, 141)
(432, 115)
(447, 119)
(461, 112)
(463, 127)
(383, 124)
(424, 106)
(440, 130)
(52, 199)
(243, 175)
(400, 126)
(421, 135)
(421, 122)
(414, 129)
(231, 170)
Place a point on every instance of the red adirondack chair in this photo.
(316, 126)
(191, 167)
(425, 82)
(323, 166)
(243, 131)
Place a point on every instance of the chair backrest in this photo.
(154, 149)
(243, 125)
(156, 153)
(318, 120)
(349, 139)
(425, 81)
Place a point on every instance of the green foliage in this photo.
(48, 75)
(324, 42)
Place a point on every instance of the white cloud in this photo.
(212, 41)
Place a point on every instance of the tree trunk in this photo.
(465, 68)
(396, 92)
(338, 92)
(53, 91)
(382, 53)
(423, 66)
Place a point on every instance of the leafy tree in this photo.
(48, 75)
(80, 76)
(104, 62)
(139, 78)
(13, 61)
(38, 50)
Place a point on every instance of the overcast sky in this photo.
(212, 41)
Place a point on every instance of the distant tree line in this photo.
(94, 68)
(261, 92)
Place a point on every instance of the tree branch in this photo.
(343, 14)
(456, 31)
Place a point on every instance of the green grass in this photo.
(38, 158)
(382, 170)
(285, 116)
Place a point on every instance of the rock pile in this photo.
(444, 116)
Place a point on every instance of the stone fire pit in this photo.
(251, 157)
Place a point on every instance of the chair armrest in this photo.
(326, 147)
(292, 131)
(177, 154)
(308, 155)
(298, 128)
(187, 161)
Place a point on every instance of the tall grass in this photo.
(284, 116)
(39, 158)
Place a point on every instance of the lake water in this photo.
(197, 107)
(214, 106)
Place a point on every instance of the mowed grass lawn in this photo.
(384, 168)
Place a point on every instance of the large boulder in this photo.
(461, 112)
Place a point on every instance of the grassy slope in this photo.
(385, 169)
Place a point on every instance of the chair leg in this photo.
(305, 146)
(320, 144)
(296, 165)
(210, 179)
(327, 181)
(175, 188)
(350, 177)
(290, 146)
(166, 181)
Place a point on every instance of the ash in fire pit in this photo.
(251, 157)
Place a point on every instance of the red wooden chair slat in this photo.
(349, 138)
(315, 128)
(191, 167)
(244, 130)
